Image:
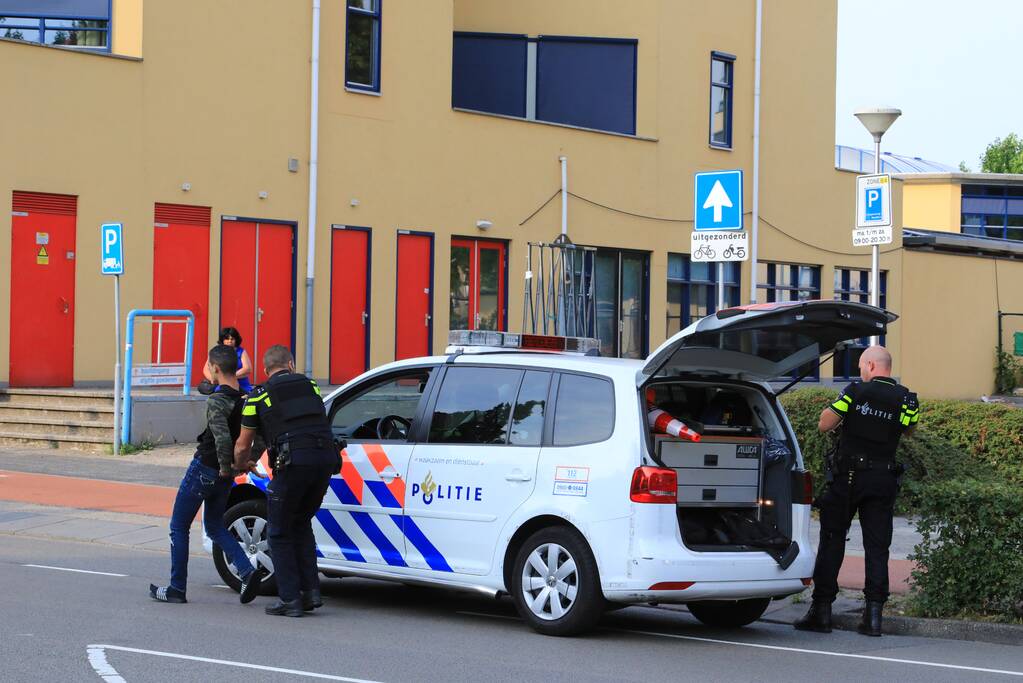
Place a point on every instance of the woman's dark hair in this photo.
(230, 332)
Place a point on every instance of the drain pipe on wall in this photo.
(755, 228)
(314, 139)
(564, 195)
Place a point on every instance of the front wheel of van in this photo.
(555, 583)
(729, 613)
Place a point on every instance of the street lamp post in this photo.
(877, 120)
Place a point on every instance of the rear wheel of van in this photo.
(729, 613)
(246, 521)
(555, 583)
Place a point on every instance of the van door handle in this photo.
(390, 474)
(517, 475)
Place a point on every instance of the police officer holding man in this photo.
(288, 413)
(873, 414)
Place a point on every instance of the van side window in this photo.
(358, 418)
(585, 410)
(474, 405)
(527, 420)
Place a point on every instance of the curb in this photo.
(948, 629)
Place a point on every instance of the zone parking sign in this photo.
(873, 201)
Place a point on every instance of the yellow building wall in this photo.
(221, 110)
(127, 28)
(933, 206)
(950, 321)
(124, 134)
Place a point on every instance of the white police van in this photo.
(524, 465)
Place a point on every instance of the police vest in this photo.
(873, 425)
(296, 420)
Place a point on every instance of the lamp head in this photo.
(877, 120)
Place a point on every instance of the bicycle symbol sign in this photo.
(723, 245)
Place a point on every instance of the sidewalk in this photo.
(137, 531)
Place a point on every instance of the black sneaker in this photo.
(285, 609)
(250, 585)
(311, 600)
(167, 594)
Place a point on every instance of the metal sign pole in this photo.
(117, 365)
(874, 250)
(721, 285)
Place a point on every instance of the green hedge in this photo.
(970, 561)
(955, 439)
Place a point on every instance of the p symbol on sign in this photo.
(873, 196)
(109, 239)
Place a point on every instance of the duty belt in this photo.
(858, 463)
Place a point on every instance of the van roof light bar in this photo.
(470, 341)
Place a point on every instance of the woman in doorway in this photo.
(229, 336)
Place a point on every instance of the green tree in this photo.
(1003, 155)
(963, 168)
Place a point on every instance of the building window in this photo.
(362, 45)
(993, 211)
(854, 285)
(692, 290)
(81, 24)
(576, 81)
(721, 80)
(791, 282)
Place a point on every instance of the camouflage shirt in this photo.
(223, 423)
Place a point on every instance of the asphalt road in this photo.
(376, 631)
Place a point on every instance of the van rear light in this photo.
(807, 581)
(802, 488)
(654, 485)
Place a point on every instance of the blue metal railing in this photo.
(129, 352)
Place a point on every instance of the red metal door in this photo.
(274, 291)
(257, 286)
(413, 325)
(43, 290)
(349, 304)
(478, 285)
(181, 279)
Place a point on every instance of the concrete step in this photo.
(33, 427)
(54, 413)
(87, 398)
(85, 443)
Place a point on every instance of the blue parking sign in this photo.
(872, 203)
(112, 249)
(718, 196)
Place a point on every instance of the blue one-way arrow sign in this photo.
(718, 204)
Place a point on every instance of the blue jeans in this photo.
(202, 484)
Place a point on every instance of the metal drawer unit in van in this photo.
(716, 472)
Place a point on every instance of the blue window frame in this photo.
(852, 284)
(571, 80)
(79, 24)
(791, 282)
(993, 211)
(692, 290)
(362, 45)
(722, 76)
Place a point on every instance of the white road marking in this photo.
(77, 571)
(242, 665)
(781, 648)
(99, 663)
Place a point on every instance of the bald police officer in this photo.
(873, 414)
(287, 411)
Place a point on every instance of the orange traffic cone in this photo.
(664, 423)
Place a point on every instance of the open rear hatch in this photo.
(731, 496)
(763, 341)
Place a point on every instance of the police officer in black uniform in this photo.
(873, 414)
(288, 413)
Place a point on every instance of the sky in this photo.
(954, 68)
